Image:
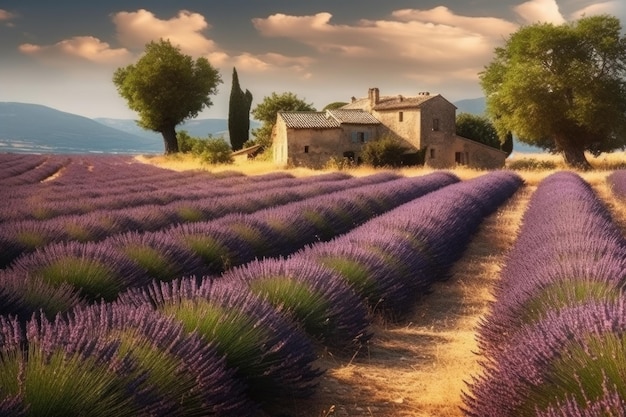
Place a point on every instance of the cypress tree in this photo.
(238, 114)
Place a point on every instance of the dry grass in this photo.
(417, 368)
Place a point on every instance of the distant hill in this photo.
(35, 128)
(477, 106)
(196, 127)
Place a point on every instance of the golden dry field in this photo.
(418, 367)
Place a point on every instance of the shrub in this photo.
(386, 151)
(531, 164)
(211, 150)
(216, 151)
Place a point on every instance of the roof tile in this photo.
(308, 120)
(356, 116)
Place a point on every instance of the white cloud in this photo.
(535, 11)
(6, 15)
(274, 62)
(84, 47)
(430, 44)
(136, 29)
(487, 26)
(608, 7)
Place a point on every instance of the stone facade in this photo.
(312, 139)
(423, 121)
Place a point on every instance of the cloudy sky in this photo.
(63, 53)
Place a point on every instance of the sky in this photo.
(63, 53)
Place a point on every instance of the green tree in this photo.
(238, 114)
(384, 152)
(507, 145)
(334, 105)
(561, 87)
(166, 88)
(477, 128)
(267, 110)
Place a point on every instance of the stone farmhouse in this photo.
(424, 122)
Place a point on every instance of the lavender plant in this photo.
(267, 351)
(22, 296)
(568, 251)
(573, 355)
(160, 255)
(96, 271)
(405, 253)
(554, 339)
(66, 373)
(311, 295)
(186, 374)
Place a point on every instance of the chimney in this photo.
(353, 99)
(374, 96)
(400, 98)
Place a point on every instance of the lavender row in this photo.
(199, 350)
(617, 183)
(556, 330)
(15, 164)
(232, 345)
(392, 260)
(49, 201)
(21, 237)
(382, 266)
(61, 275)
(127, 179)
(34, 174)
(87, 171)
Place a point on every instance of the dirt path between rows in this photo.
(417, 368)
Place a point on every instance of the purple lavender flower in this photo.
(265, 349)
(319, 300)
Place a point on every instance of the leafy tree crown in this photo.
(166, 87)
(562, 88)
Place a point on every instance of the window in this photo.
(306, 148)
(401, 116)
(461, 158)
(349, 155)
(435, 124)
(432, 154)
(360, 137)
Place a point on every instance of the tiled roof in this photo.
(308, 120)
(392, 102)
(330, 119)
(401, 102)
(357, 116)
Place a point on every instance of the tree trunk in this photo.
(170, 140)
(573, 154)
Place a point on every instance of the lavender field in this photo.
(127, 289)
